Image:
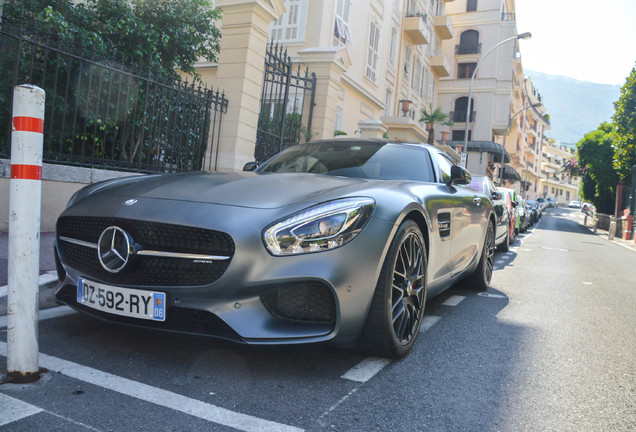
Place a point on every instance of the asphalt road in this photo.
(551, 346)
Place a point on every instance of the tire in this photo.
(481, 277)
(505, 245)
(397, 307)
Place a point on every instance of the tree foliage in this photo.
(433, 118)
(625, 121)
(595, 164)
(164, 36)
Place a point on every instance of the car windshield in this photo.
(373, 160)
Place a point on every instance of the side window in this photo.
(491, 187)
(445, 168)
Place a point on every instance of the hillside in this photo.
(575, 107)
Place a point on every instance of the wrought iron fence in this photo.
(99, 113)
(287, 95)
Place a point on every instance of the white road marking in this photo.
(14, 409)
(554, 249)
(453, 300)
(334, 406)
(587, 283)
(366, 369)
(625, 246)
(44, 314)
(489, 295)
(158, 396)
(43, 279)
(428, 322)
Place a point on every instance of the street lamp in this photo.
(503, 151)
(526, 35)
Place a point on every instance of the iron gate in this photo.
(286, 96)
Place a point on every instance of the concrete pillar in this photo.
(328, 64)
(372, 128)
(240, 74)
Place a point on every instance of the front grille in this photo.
(146, 270)
(304, 302)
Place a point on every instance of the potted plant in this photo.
(434, 118)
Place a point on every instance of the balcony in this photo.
(440, 66)
(416, 27)
(443, 26)
(463, 49)
(508, 16)
(460, 116)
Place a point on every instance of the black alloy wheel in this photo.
(481, 277)
(397, 307)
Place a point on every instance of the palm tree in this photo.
(433, 118)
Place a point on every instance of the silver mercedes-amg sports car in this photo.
(336, 240)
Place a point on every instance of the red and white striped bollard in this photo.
(25, 194)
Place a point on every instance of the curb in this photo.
(47, 285)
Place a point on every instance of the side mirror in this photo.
(497, 196)
(459, 175)
(250, 166)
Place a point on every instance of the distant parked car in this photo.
(511, 204)
(522, 211)
(543, 204)
(535, 212)
(575, 204)
(483, 184)
(552, 202)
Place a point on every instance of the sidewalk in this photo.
(48, 274)
(605, 234)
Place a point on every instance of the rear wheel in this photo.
(397, 307)
(505, 245)
(481, 277)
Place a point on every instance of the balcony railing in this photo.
(461, 49)
(508, 16)
(460, 116)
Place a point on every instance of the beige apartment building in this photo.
(378, 64)
(526, 137)
(556, 183)
(479, 27)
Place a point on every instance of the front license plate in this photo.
(128, 302)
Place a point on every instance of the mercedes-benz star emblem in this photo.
(130, 202)
(114, 248)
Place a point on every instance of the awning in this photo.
(483, 147)
(509, 173)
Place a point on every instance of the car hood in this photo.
(237, 188)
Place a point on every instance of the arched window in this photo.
(468, 43)
(461, 107)
(471, 5)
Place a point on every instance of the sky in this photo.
(588, 40)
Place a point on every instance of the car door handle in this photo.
(477, 200)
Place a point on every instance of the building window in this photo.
(407, 63)
(458, 135)
(341, 26)
(388, 109)
(461, 108)
(471, 5)
(417, 74)
(468, 43)
(290, 26)
(392, 45)
(372, 51)
(339, 118)
(466, 70)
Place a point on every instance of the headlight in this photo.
(325, 226)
